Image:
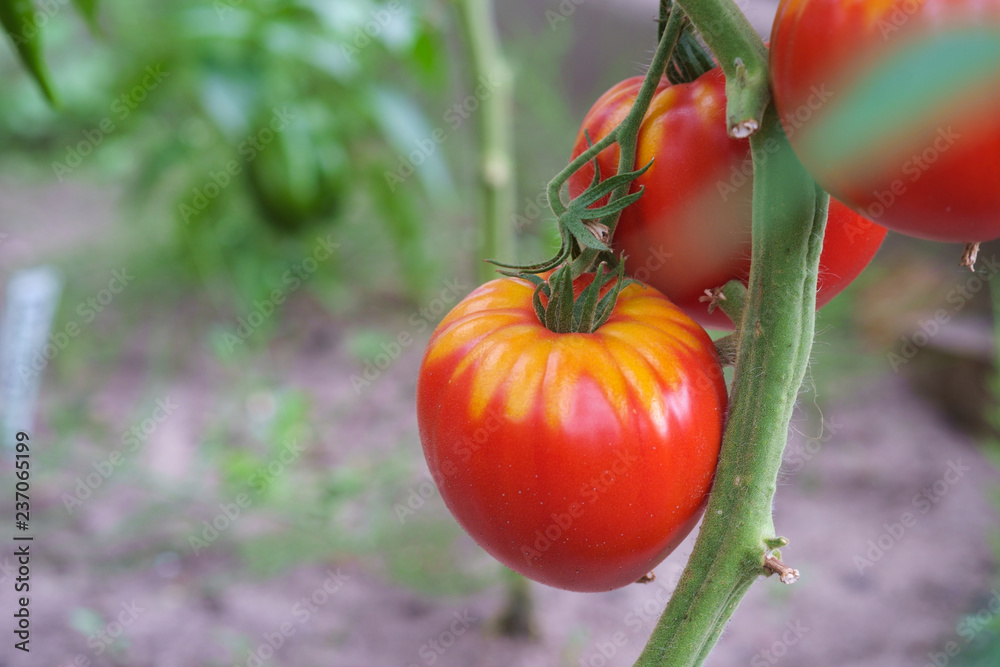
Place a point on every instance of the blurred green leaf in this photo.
(18, 19)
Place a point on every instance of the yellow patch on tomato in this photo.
(649, 342)
(492, 360)
(643, 380)
(449, 340)
(524, 381)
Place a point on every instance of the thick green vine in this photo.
(737, 541)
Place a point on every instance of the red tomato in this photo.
(894, 107)
(578, 460)
(691, 229)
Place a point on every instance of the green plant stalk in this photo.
(627, 132)
(496, 164)
(741, 54)
(626, 135)
(772, 354)
(789, 219)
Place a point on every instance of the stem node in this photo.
(727, 348)
(773, 564)
(969, 256)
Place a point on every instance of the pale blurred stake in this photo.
(30, 303)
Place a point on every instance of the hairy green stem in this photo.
(496, 164)
(773, 343)
(775, 339)
(743, 58)
(731, 299)
(628, 131)
(665, 7)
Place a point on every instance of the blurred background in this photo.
(247, 203)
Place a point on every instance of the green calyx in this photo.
(585, 238)
(582, 228)
(563, 311)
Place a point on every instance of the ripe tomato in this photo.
(579, 460)
(894, 107)
(691, 229)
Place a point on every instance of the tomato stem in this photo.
(626, 135)
(731, 299)
(743, 58)
(775, 338)
(587, 232)
(564, 312)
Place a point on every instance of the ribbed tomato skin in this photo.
(691, 229)
(579, 460)
(889, 116)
